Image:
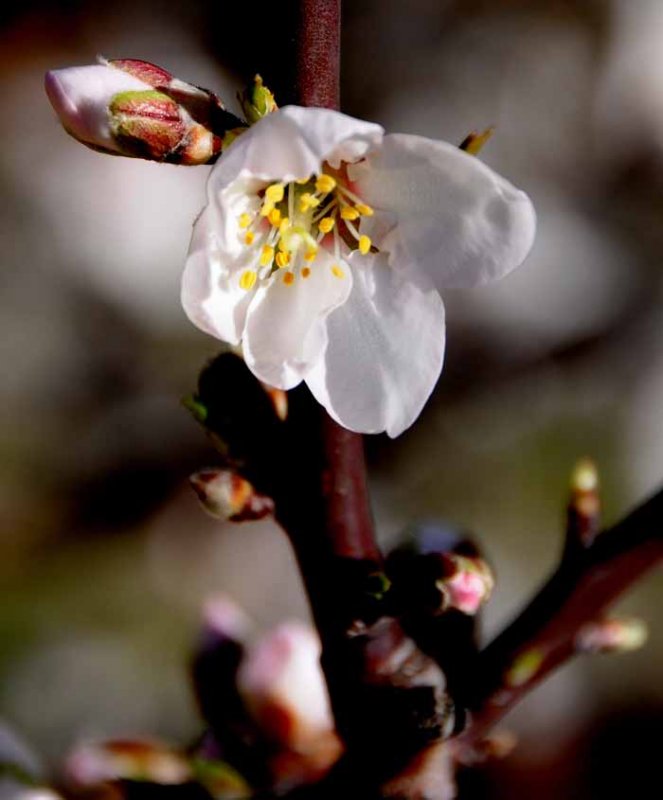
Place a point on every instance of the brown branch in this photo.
(586, 583)
(388, 697)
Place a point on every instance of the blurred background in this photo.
(105, 556)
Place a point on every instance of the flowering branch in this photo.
(592, 574)
(322, 503)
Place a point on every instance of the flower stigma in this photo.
(296, 219)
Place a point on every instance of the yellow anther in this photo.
(307, 201)
(305, 272)
(247, 279)
(266, 255)
(364, 245)
(326, 224)
(244, 220)
(249, 236)
(325, 184)
(266, 209)
(274, 217)
(364, 210)
(337, 272)
(275, 192)
(289, 278)
(282, 259)
(310, 255)
(349, 213)
(302, 181)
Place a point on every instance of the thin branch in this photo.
(586, 583)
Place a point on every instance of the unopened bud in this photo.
(468, 584)
(284, 689)
(226, 495)
(584, 510)
(473, 143)
(133, 108)
(94, 763)
(257, 101)
(618, 635)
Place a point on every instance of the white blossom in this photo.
(323, 249)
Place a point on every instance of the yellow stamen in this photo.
(289, 278)
(249, 237)
(305, 272)
(244, 220)
(247, 279)
(267, 208)
(282, 259)
(337, 272)
(284, 224)
(326, 224)
(302, 181)
(274, 217)
(364, 210)
(266, 256)
(325, 184)
(349, 213)
(364, 245)
(307, 201)
(310, 255)
(275, 192)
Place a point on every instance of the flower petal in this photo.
(457, 222)
(284, 332)
(292, 143)
(211, 295)
(384, 352)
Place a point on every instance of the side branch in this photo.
(586, 583)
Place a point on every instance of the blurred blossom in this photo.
(284, 688)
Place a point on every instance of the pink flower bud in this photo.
(284, 690)
(133, 108)
(468, 585)
(81, 97)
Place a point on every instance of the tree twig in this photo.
(543, 636)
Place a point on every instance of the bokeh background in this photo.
(105, 556)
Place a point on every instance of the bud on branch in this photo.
(133, 108)
(226, 495)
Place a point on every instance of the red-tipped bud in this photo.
(133, 108)
(226, 495)
(96, 763)
(283, 687)
(618, 635)
(468, 584)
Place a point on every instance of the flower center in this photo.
(295, 220)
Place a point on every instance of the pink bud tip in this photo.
(81, 97)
